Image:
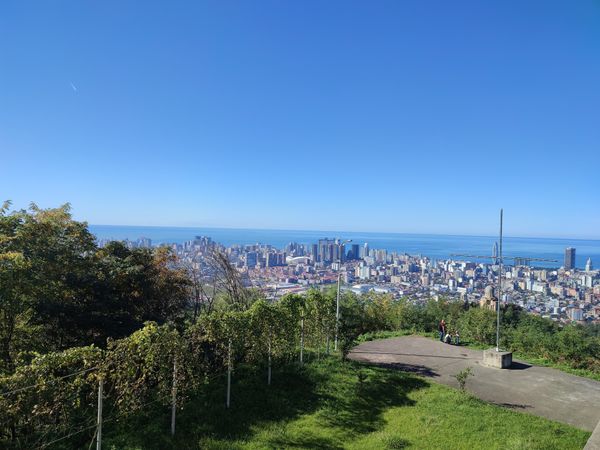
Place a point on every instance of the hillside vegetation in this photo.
(75, 316)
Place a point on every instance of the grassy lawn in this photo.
(333, 405)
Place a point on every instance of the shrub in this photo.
(462, 377)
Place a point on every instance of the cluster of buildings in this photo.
(563, 294)
(142, 242)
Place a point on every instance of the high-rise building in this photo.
(335, 252)
(569, 258)
(354, 251)
(381, 255)
(575, 314)
(326, 250)
(315, 253)
(495, 250)
(588, 265)
(341, 254)
(364, 272)
(271, 259)
(251, 259)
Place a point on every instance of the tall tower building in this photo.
(495, 250)
(588, 265)
(341, 252)
(326, 247)
(251, 260)
(569, 258)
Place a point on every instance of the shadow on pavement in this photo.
(415, 369)
(374, 352)
(519, 366)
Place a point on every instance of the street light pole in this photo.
(501, 261)
(337, 302)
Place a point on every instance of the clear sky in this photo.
(407, 116)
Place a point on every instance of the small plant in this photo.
(462, 377)
(396, 443)
(362, 377)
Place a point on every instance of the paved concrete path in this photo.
(594, 441)
(537, 390)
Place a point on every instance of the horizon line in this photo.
(342, 231)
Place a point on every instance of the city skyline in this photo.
(395, 117)
(431, 245)
(562, 294)
(341, 249)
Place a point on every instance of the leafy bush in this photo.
(53, 395)
(462, 377)
(479, 325)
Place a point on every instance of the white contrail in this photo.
(74, 88)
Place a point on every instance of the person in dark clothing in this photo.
(442, 329)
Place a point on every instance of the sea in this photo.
(434, 246)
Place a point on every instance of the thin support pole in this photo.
(99, 420)
(337, 312)
(269, 368)
(501, 260)
(302, 341)
(174, 398)
(228, 374)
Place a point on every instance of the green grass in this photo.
(331, 404)
(538, 361)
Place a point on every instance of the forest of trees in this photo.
(72, 314)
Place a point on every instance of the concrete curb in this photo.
(593, 442)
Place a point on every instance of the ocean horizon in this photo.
(437, 246)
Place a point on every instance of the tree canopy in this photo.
(58, 289)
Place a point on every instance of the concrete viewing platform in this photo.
(536, 390)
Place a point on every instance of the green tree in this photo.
(320, 319)
(58, 290)
(479, 325)
(45, 263)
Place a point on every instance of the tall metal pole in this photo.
(99, 421)
(501, 261)
(174, 398)
(337, 312)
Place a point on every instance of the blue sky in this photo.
(407, 116)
